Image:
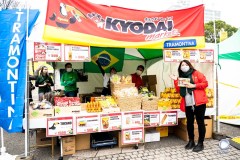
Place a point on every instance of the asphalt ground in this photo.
(15, 144)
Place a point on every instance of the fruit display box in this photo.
(235, 142)
(150, 103)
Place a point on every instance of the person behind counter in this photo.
(136, 77)
(106, 79)
(44, 83)
(30, 84)
(193, 101)
(69, 81)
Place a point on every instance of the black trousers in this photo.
(199, 113)
(106, 91)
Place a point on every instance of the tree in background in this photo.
(8, 4)
(220, 27)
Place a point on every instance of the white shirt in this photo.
(106, 79)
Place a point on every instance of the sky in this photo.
(230, 12)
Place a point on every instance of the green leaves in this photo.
(220, 26)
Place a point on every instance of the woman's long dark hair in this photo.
(188, 63)
(41, 72)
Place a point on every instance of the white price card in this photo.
(59, 126)
(111, 121)
(132, 135)
(168, 118)
(87, 124)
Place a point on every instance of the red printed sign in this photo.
(47, 52)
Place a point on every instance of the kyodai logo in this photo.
(66, 15)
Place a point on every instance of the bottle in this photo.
(70, 53)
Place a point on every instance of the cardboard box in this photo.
(82, 141)
(84, 98)
(64, 111)
(74, 101)
(120, 144)
(152, 136)
(42, 140)
(98, 89)
(163, 131)
(181, 130)
(66, 101)
(182, 133)
(61, 101)
(68, 145)
(152, 88)
(149, 80)
(41, 113)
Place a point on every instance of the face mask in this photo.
(69, 69)
(184, 68)
(139, 72)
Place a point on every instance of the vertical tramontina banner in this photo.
(13, 66)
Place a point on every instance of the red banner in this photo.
(86, 23)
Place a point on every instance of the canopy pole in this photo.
(3, 149)
(27, 140)
(217, 135)
(216, 70)
(4, 155)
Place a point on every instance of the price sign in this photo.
(132, 119)
(190, 55)
(76, 53)
(59, 126)
(172, 55)
(111, 121)
(206, 55)
(47, 52)
(168, 118)
(87, 124)
(151, 118)
(132, 135)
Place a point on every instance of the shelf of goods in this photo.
(38, 117)
(170, 99)
(40, 122)
(125, 98)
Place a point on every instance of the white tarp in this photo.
(229, 92)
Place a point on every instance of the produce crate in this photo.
(119, 86)
(132, 103)
(150, 103)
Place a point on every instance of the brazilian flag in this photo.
(107, 57)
